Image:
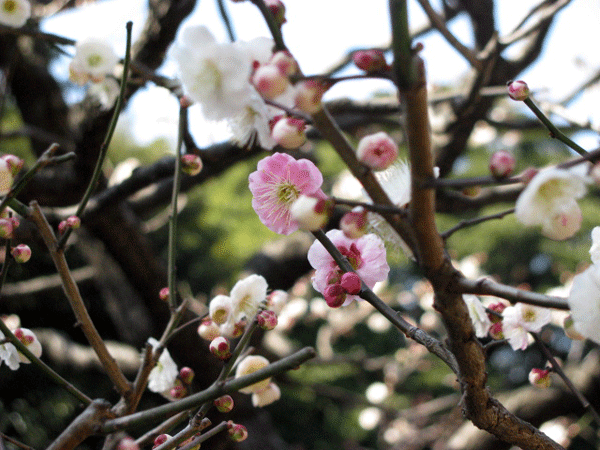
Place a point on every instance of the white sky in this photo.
(319, 32)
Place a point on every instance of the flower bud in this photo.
(191, 164)
(276, 300)
(277, 8)
(497, 307)
(267, 319)
(370, 60)
(251, 364)
(351, 283)
(518, 90)
(311, 213)
(185, 101)
(220, 348)
(502, 164)
(6, 177)
(237, 432)
(289, 132)
(127, 443)
(21, 253)
(208, 330)
(271, 394)
(571, 331)
(224, 404)
(540, 378)
(15, 222)
(334, 295)
(219, 309)
(14, 163)
(309, 94)
(73, 222)
(377, 151)
(354, 223)
(269, 81)
(62, 226)
(6, 228)
(186, 375)
(30, 340)
(496, 331)
(161, 439)
(285, 62)
(178, 391)
(239, 329)
(163, 294)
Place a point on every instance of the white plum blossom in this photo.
(479, 317)
(94, 58)
(30, 340)
(163, 375)
(105, 92)
(9, 354)
(6, 177)
(14, 13)
(247, 296)
(595, 248)
(266, 396)
(253, 121)
(220, 309)
(584, 302)
(519, 320)
(549, 200)
(251, 364)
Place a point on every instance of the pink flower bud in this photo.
(14, 163)
(186, 375)
(496, 331)
(163, 294)
(267, 319)
(269, 81)
(127, 443)
(178, 391)
(540, 378)
(285, 62)
(311, 213)
(334, 295)
(239, 329)
(161, 439)
(224, 404)
(6, 228)
(277, 8)
(191, 164)
(354, 223)
(21, 253)
(497, 308)
(518, 90)
(377, 151)
(502, 164)
(370, 60)
(62, 226)
(351, 283)
(73, 222)
(220, 348)
(289, 132)
(570, 329)
(185, 101)
(309, 94)
(208, 330)
(30, 340)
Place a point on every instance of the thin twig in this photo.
(371, 207)
(15, 442)
(467, 223)
(226, 20)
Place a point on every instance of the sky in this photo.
(319, 33)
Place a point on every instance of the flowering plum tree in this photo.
(220, 342)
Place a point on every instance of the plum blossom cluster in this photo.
(584, 298)
(166, 379)
(550, 200)
(9, 353)
(366, 255)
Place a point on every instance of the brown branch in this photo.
(72, 292)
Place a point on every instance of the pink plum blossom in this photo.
(277, 183)
(377, 151)
(366, 255)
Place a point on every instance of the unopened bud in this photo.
(161, 439)
(224, 404)
(30, 340)
(311, 213)
(191, 164)
(15, 163)
(309, 94)
(236, 432)
(377, 151)
(540, 378)
(289, 132)
(21, 253)
(239, 328)
(354, 223)
(163, 294)
(370, 60)
(186, 375)
(518, 90)
(185, 101)
(528, 174)
(351, 283)
(73, 222)
(267, 319)
(498, 308)
(334, 295)
(496, 331)
(285, 62)
(277, 8)
(502, 164)
(269, 81)
(208, 330)
(220, 348)
(6, 228)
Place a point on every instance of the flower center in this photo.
(353, 255)
(287, 193)
(94, 60)
(529, 315)
(9, 6)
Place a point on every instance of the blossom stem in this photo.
(556, 367)
(109, 134)
(554, 132)
(371, 206)
(467, 223)
(22, 348)
(274, 27)
(461, 183)
(226, 20)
